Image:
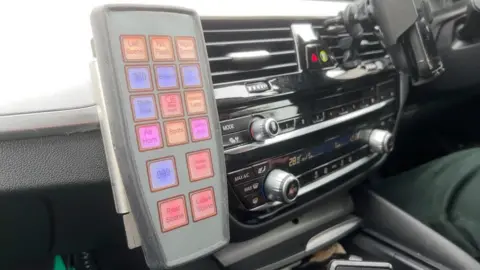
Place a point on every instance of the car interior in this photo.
(233, 135)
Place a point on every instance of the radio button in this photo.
(287, 125)
(319, 117)
(234, 125)
(235, 138)
(261, 169)
(254, 200)
(248, 188)
(241, 176)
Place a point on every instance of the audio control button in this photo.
(287, 125)
(235, 125)
(241, 176)
(262, 129)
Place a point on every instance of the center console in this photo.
(263, 122)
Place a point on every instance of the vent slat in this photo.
(226, 37)
(273, 40)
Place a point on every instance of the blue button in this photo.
(191, 76)
(144, 108)
(139, 78)
(162, 174)
(166, 76)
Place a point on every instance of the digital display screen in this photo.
(191, 76)
(302, 156)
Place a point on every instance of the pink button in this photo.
(149, 137)
(200, 129)
(173, 213)
(202, 204)
(199, 165)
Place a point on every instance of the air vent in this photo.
(371, 47)
(241, 50)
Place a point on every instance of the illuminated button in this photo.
(203, 204)
(199, 165)
(166, 77)
(149, 137)
(195, 101)
(171, 105)
(191, 76)
(323, 56)
(134, 48)
(162, 173)
(176, 132)
(186, 48)
(138, 78)
(143, 108)
(162, 48)
(173, 213)
(200, 129)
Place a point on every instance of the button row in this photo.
(144, 106)
(149, 136)
(162, 172)
(139, 77)
(134, 48)
(173, 211)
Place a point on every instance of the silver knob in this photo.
(264, 128)
(281, 186)
(380, 141)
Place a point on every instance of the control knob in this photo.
(380, 141)
(264, 128)
(281, 186)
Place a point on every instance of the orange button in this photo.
(162, 48)
(199, 165)
(186, 48)
(195, 101)
(176, 132)
(173, 213)
(171, 105)
(134, 48)
(202, 204)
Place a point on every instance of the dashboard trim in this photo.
(306, 130)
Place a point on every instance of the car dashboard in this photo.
(285, 109)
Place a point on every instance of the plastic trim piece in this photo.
(235, 252)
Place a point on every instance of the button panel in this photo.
(173, 213)
(202, 204)
(162, 173)
(149, 137)
(139, 78)
(199, 165)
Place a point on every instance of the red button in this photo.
(195, 101)
(176, 132)
(171, 105)
(134, 48)
(149, 137)
(199, 165)
(173, 213)
(162, 48)
(186, 48)
(202, 204)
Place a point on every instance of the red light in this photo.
(314, 58)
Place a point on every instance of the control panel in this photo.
(161, 130)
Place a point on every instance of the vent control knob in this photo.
(281, 186)
(264, 128)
